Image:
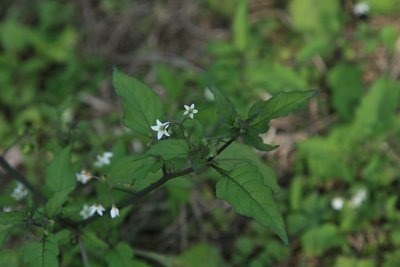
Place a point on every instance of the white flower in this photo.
(190, 111)
(19, 192)
(84, 176)
(358, 198)
(7, 209)
(103, 159)
(114, 212)
(161, 129)
(360, 9)
(97, 208)
(85, 212)
(337, 203)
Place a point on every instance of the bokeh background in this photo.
(338, 160)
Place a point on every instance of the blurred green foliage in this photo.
(43, 71)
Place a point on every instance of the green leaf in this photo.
(12, 217)
(278, 106)
(170, 149)
(59, 174)
(121, 255)
(142, 107)
(239, 152)
(53, 206)
(129, 169)
(252, 138)
(42, 254)
(347, 87)
(318, 240)
(240, 26)
(243, 188)
(225, 109)
(4, 230)
(194, 257)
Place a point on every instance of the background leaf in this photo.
(59, 174)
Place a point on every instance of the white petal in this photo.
(186, 107)
(191, 115)
(186, 112)
(166, 133)
(159, 135)
(195, 111)
(192, 106)
(93, 210)
(158, 123)
(155, 128)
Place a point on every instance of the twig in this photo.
(84, 255)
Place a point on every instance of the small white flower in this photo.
(358, 198)
(19, 192)
(85, 212)
(83, 177)
(360, 9)
(103, 159)
(161, 129)
(190, 111)
(114, 212)
(208, 95)
(97, 208)
(337, 203)
(7, 209)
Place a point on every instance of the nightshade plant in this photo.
(177, 147)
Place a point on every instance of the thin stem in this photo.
(85, 258)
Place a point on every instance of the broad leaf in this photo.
(59, 174)
(225, 109)
(12, 217)
(252, 138)
(142, 107)
(121, 255)
(42, 254)
(130, 169)
(170, 149)
(244, 189)
(278, 106)
(239, 152)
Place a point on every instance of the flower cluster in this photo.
(19, 192)
(88, 212)
(356, 200)
(83, 177)
(162, 127)
(103, 159)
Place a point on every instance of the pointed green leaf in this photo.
(244, 189)
(225, 109)
(252, 138)
(12, 217)
(240, 26)
(121, 255)
(129, 169)
(170, 149)
(42, 254)
(53, 206)
(278, 106)
(142, 107)
(59, 174)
